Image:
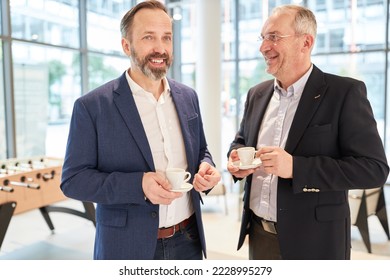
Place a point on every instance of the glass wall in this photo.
(103, 19)
(3, 141)
(51, 22)
(187, 44)
(60, 50)
(103, 68)
(46, 83)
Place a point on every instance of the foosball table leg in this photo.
(45, 214)
(89, 212)
(6, 211)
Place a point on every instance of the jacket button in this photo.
(154, 214)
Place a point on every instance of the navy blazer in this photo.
(108, 153)
(335, 147)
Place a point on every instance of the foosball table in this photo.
(34, 183)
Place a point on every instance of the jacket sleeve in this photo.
(81, 177)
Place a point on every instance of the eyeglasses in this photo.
(272, 37)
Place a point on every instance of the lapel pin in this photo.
(315, 97)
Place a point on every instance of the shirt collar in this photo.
(295, 89)
(136, 89)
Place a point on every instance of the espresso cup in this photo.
(246, 155)
(177, 177)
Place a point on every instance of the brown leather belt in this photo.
(268, 226)
(170, 231)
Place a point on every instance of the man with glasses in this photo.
(316, 137)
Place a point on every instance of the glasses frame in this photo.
(273, 37)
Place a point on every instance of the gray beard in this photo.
(154, 74)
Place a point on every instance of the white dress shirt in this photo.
(274, 131)
(162, 128)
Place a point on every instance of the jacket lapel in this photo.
(125, 103)
(312, 95)
(181, 103)
(260, 100)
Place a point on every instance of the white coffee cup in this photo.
(177, 177)
(246, 155)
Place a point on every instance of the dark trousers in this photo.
(183, 245)
(262, 244)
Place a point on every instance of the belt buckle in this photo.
(174, 231)
(268, 226)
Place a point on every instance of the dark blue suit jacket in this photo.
(335, 147)
(106, 157)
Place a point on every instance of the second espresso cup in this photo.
(246, 155)
(177, 177)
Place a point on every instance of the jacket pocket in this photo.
(112, 217)
(327, 213)
(193, 120)
(319, 129)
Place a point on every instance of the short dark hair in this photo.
(128, 18)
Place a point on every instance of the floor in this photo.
(29, 238)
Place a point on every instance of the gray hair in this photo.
(305, 20)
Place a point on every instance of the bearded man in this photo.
(125, 134)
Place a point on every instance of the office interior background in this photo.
(53, 51)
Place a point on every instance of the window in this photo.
(50, 60)
(2, 109)
(1, 20)
(188, 41)
(320, 44)
(46, 83)
(50, 70)
(320, 5)
(102, 68)
(51, 22)
(375, 2)
(336, 42)
(188, 75)
(103, 25)
(229, 33)
(338, 4)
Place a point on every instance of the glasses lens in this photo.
(268, 37)
(273, 37)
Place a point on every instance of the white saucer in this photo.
(256, 163)
(184, 188)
